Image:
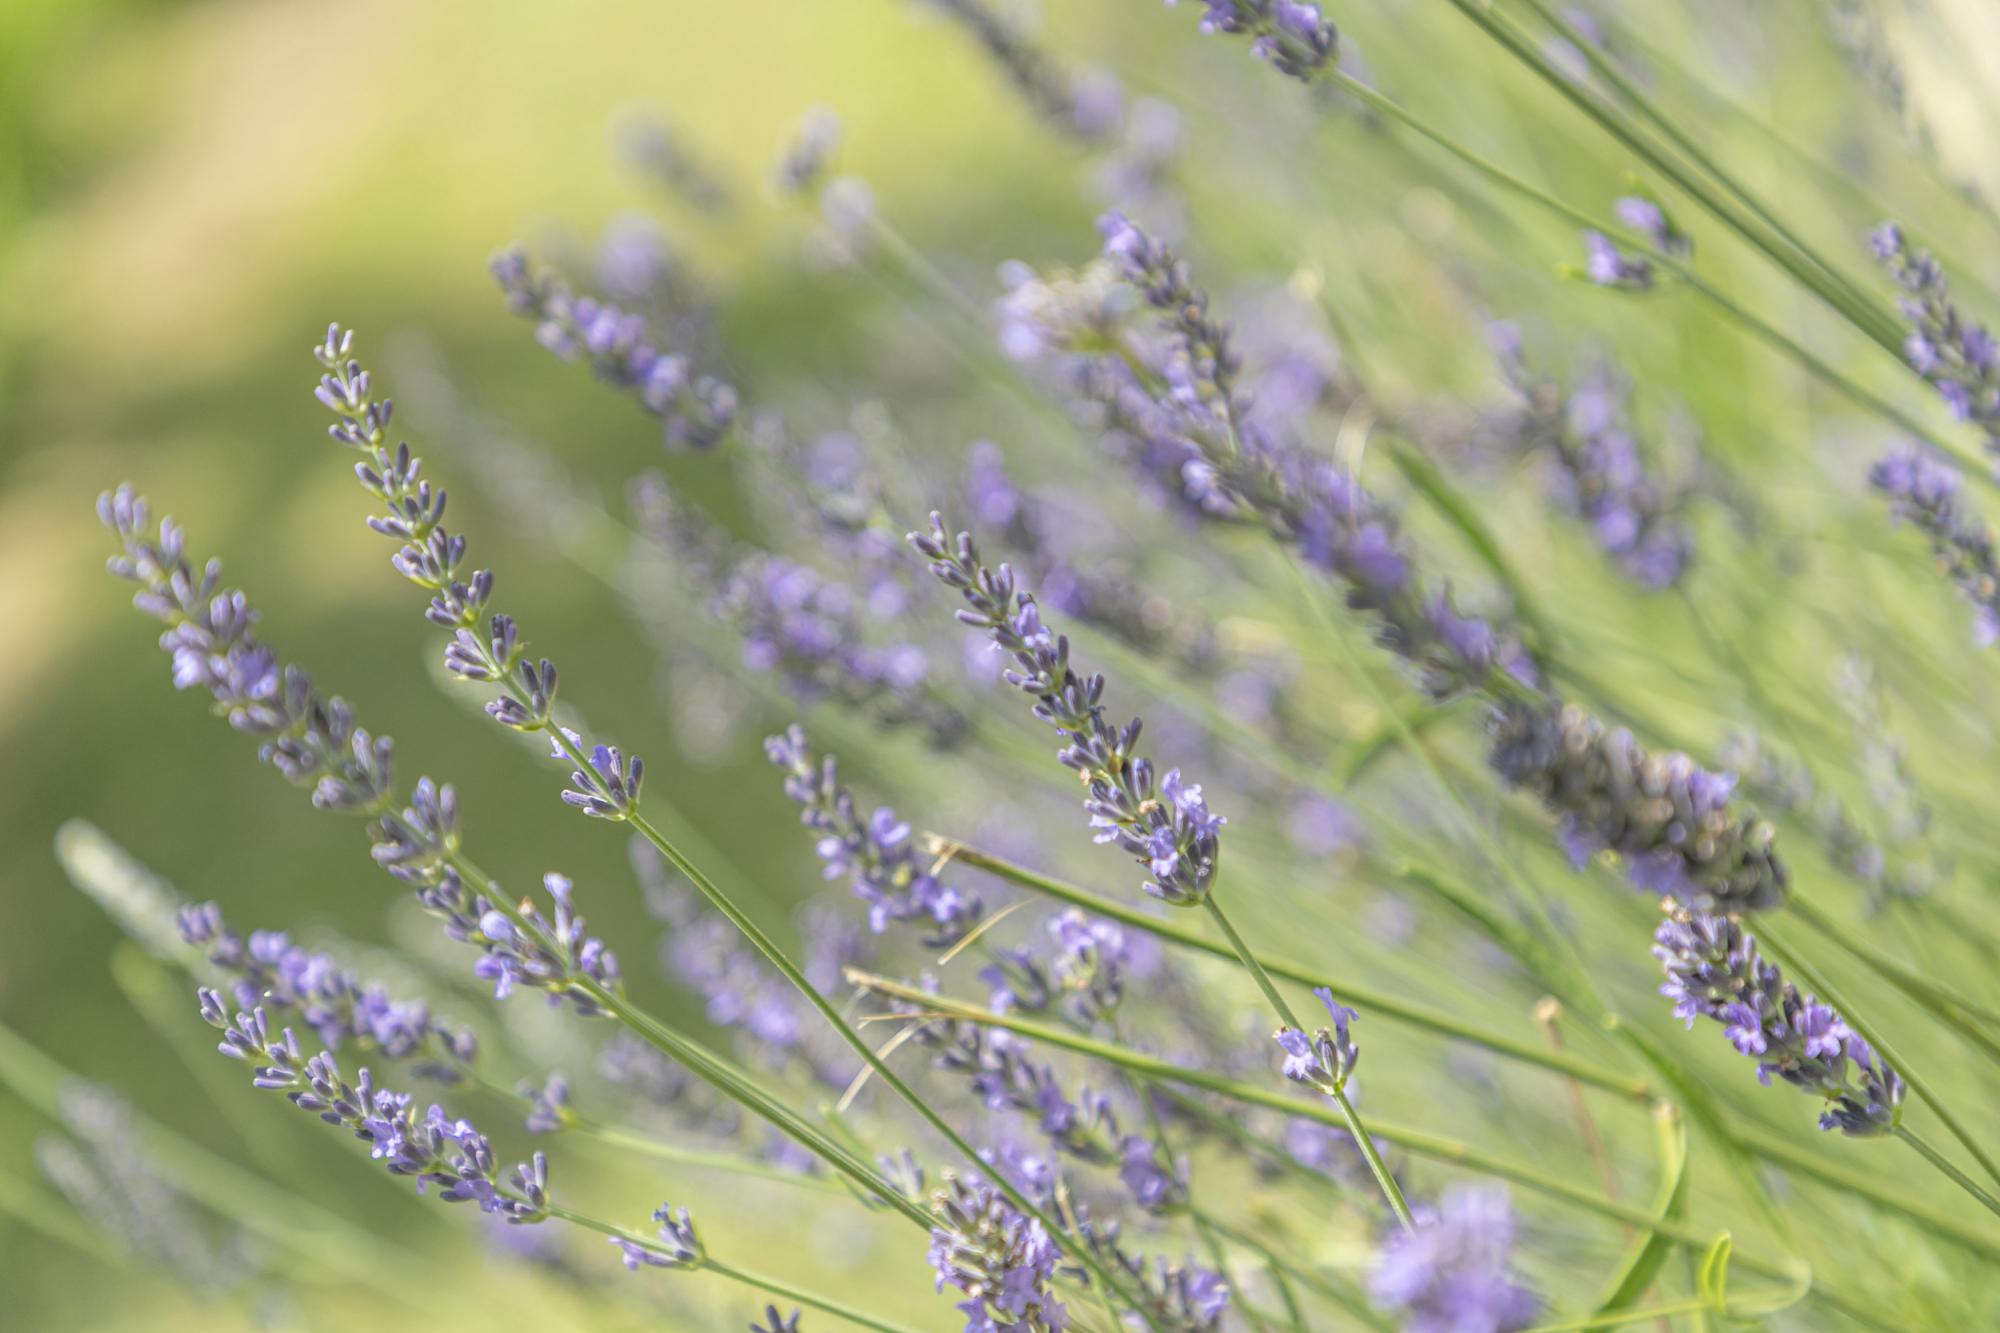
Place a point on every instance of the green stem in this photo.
(1944, 1164)
(1794, 960)
(1380, 1003)
(705, 1264)
(1383, 1177)
(1918, 987)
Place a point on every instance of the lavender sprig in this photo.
(698, 409)
(1714, 971)
(679, 1246)
(1326, 1059)
(1295, 38)
(876, 854)
(1166, 826)
(315, 742)
(606, 783)
(432, 1147)
(1958, 356)
(1003, 1261)
(1924, 492)
(269, 969)
(1603, 478)
(1451, 1273)
(211, 637)
(775, 1322)
(1669, 818)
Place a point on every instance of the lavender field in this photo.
(966, 665)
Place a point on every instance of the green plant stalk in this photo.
(1416, 1141)
(1781, 1152)
(1794, 960)
(1349, 1301)
(756, 1281)
(1944, 1164)
(1383, 1178)
(1911, 983)
(1376, 1002)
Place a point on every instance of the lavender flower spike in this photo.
(1326, 1059)
(1924, 492)
(775, 1322)
(434, 1148)
(698, 409)
(1004, 1262)
(1451, 1273)
(876, 854)
(1295, 38)
(271, 970)
(1166, 826)
(606, 783)
(1714, 971)
(1957, 356)
(679, 1247)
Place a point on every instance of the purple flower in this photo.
(678, 1246)
(1956, 355)
(1608, 266)
(1924, 492)
(1004, 1262)
(1452, 1273)
(1714, 971)
(1168, 828)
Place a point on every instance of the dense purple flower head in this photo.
(1607, 265)
(1165, 826)
(677, 1247)
(698, 409)
(1599, 473)
(431, 1147)
(1924, 492)
(1957, 355)
(1296, 38)
(269, 969)
(876, 854)
(1452, 1272)
(1670, 820)
(1003, 1261)
(1714, 971)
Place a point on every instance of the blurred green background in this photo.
(188, 192)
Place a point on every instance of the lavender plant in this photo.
(1067, 1088)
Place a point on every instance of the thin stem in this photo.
(1390, 1190)
(706, 1264)
(1376, 1002)
(1792, 959)
(1944, 1164)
